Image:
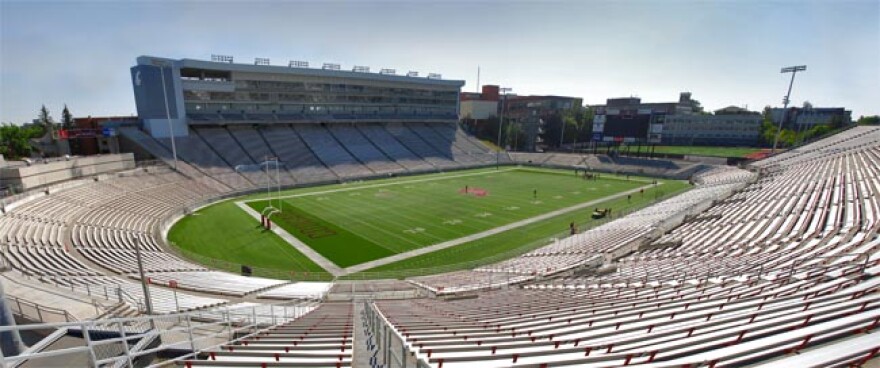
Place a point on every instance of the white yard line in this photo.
(296, 243)
(451, 243)
(335, 270)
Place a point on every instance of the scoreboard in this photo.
(642, 125)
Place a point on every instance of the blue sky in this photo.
(725, 53)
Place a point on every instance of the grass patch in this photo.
(330, 240)
(225, 232)
(707, 151)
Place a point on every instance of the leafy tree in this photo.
(808, 105)
(515, 136)
(768, 132)
(869, 120)
(15, 140)
(66, 118)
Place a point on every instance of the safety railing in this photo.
(386, 346)
(130, 342)
(37, 312)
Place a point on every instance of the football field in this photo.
(352, 224)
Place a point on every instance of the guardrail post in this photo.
(189, 332)
(254, 314)
(122, 334)
(402, 355)
(93, 359)
(387, 347)
(176, 303)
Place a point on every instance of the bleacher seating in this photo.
(393, 148)
(331, 152)
(363, 150)
(778, 269)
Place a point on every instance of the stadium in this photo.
(271, 216)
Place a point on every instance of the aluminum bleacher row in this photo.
(74, 238)
(321, 338)
(314, 153)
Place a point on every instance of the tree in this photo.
(869, 120)
(66, 118)
(808, 105)
(44, 118)
(15, 140)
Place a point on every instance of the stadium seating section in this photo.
(748, 267)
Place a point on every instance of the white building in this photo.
(730, 126)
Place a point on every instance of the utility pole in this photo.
(793, 70)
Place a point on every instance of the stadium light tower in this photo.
(501, 123)
(793, 70)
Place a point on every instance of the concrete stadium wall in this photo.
(42, 174)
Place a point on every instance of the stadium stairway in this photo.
(323, 337)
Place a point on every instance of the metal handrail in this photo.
(189, 331)
(16, 303)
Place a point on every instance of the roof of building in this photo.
(276, 69)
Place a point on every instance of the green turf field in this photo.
(354, 223)
(514, 242)
(707, 151)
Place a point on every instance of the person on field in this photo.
(572, 228)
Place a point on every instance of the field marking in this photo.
(444, 177)
(337, 271)
(466, 239)
(306, 250)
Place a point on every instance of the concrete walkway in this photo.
(490, 232)
(316, 257)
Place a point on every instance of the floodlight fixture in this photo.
(793, 70)
(330, 66)
(261, 61)
(221, 58)
(412, 73)
(388, 71)
(360, 69)
(298, 64)
(434, 76)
